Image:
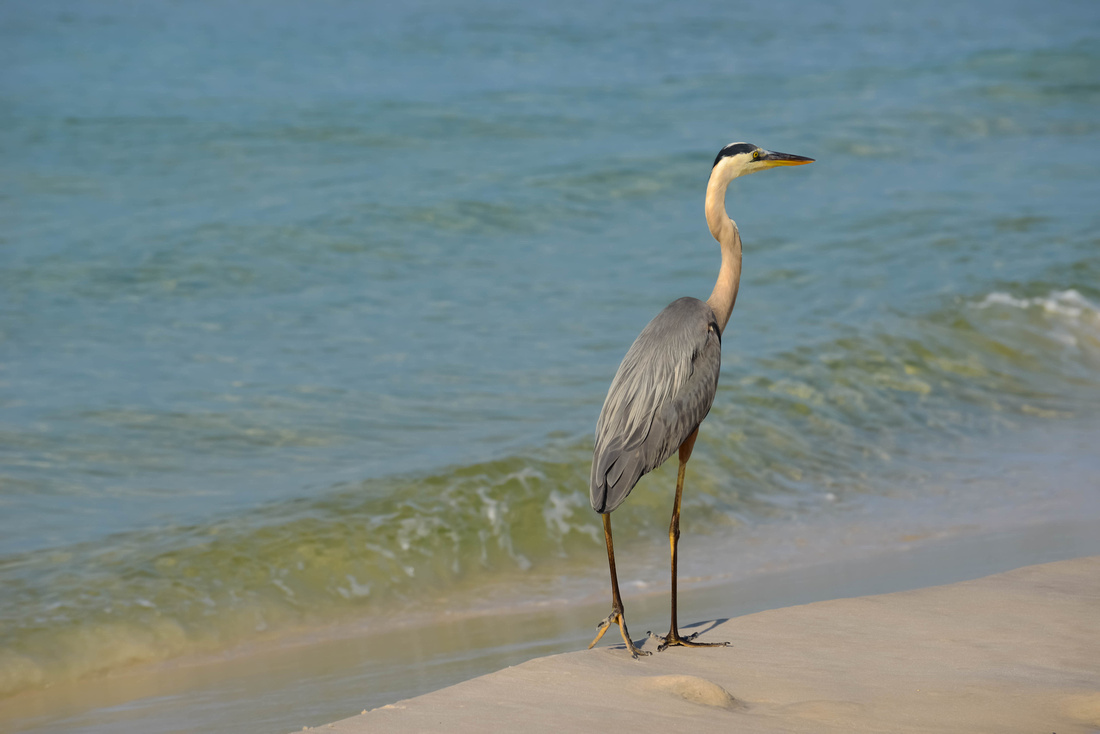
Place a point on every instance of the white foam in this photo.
(1071, 319)
(1068, 303)
(1001, 299)
(285, 589)
(355, 590)
(561, 508)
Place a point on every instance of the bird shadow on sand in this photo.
(712, 625)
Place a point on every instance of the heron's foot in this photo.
(613, 618)
(673, 638)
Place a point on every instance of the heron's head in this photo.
(740, 159)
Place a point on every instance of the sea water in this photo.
(307, 311)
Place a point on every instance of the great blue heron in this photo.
(666, 383)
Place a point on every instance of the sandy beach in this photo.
(1013, 652)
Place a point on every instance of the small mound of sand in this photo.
(694, 689)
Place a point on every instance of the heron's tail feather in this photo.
(614, 474)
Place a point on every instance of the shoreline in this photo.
(1015, 651)
(327, 674)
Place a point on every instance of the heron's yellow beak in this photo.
(772, 159)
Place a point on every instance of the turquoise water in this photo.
(307, 311)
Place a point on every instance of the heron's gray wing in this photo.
(660, 394)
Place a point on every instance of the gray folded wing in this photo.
(661, 393)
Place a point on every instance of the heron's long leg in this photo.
(616, 601)
(673, 637)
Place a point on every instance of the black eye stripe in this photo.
(733, 149)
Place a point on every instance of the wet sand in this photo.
(1017, 651)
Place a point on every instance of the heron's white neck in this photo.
(725, 231)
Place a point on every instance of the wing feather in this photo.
(660, 394)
